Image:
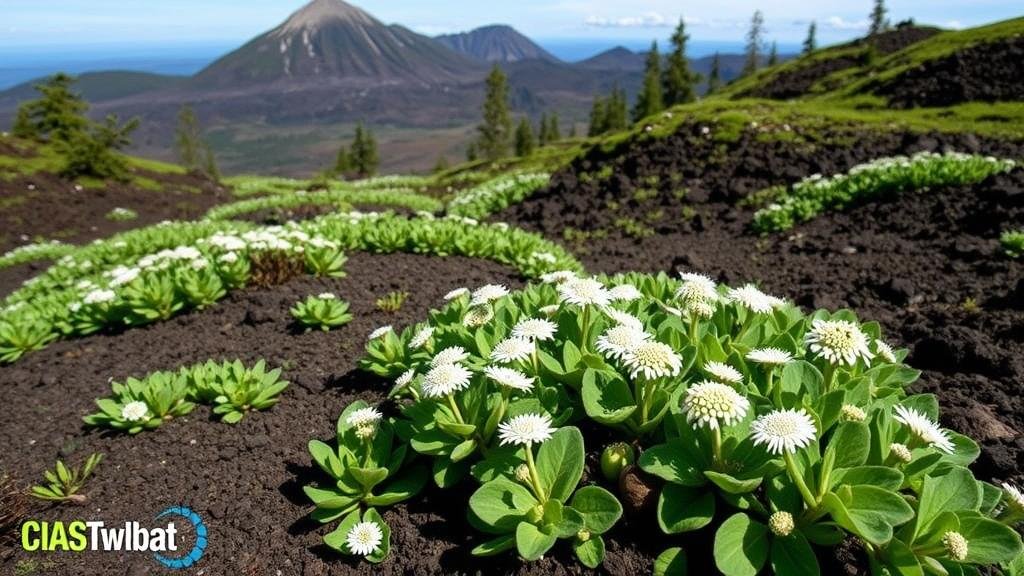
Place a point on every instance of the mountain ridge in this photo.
(496, 43)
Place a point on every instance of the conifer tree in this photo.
(598, 117)
(496, 128)
(679, 81)
(879, 23)
(755, 41)
(363, 154)
(58, 114)
(811, 43)
(525, 142)
(650, 100)
(773, 54)
(715, 75)
(188, 140)
(617, 115)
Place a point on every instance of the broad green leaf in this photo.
(881, 476)
(337, 538)
(671, 562)
(955, 491)
(731, 484)
(368, 477)
(560, 463)
(382, 552)
(590, 552)
(501, 504)
(868, 511)
(495, 545)
(600, 509)
(989, 541)
(448, 473)
(793, 556)
(532, 542)
(684, 509)
(404, 487)
(606, 400)
(675, 461)
(902, 559)
(850, 443)
(741, 546)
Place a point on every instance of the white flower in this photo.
(753, 299)
(885, 351)
(368, 416)
(525, 429)
(326, 296)
(510, 378)
(770, 356)
(444, 379)
(1014, 498)
(712, 404)
(421, 337)
(557, 277)
(583, 292)
(723, 372)
(696, 289)
(122, 275)
(838, 341)
(900, 452)
(229, 258)
(624, 318)
(405, 379)
(653, 360)
(487, 294)
(512, 349)
(364, 538)
(616, 342)
(549, 310)
(450, 355)
(135, 411)
(99, 297)
(478, 316)
(924, 429)
(956, 545)
(783, 430)
(624, 293)
(457, 293)
(379, 332)
(535, 329)
(544, 257)
(199, 264)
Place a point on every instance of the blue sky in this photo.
(31, 24)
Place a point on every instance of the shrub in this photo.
(775, 430)
(877, 179)
(93, 152)
(1013, 243)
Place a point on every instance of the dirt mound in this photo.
(989, 72)
(798, 82)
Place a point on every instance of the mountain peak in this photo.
(319, 13)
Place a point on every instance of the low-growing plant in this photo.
(880, 178)
(392, 302)
(496, 194)
(795, 431)
(64, 483)
(324, 311)
(338, 195)
(275, 267)
(122, 215)
(19, 338)
(1013, 243)
(50, 250)
(325, 259)
(232, 389)
(367, 469)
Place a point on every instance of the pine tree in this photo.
(755, 41)
(343, 161)
(679, 81)
(773, 54)
(554, 130)
(879, 23)
(58, 114)
(496, 128)
(650, 101)
(363, 154)
(472, 155)
(617, 115)
(598, 117)
(188, 140)
(23, 126)
(210, 167)
(811, 43)
(715, 76)
(525, 142)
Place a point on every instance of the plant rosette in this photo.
(323, 311)
(235, 390)
(145, 404)
(366, 469)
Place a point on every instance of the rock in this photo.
(638, 490)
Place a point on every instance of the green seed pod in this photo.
(615, 458)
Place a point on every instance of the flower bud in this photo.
(523, 474)
(956, 545)
(781, 523)
(614, 460)
(583, 535)
(851, 413)
(900, 452)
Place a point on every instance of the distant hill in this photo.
(99, 86)
(617, 58)
(330, 40)
(496, 43)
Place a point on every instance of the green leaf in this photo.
(448, 473)
(868, 511)
(368, 477)
(900, 557)
(532, 542)
(501, 504)
(402, 488)
(989, 541)
(671, 562)
(741, 546)
(372, 515)
(881, 476)
(330, 499)
(326, 458)
(463, 450)
(676, 461)
(731, 484)
(495, 545)
(337, 538)
(600, 509)
(793, 556)
(590, 552)
(433, 442)
(955, 491)
(560, 463)
(684, 509)
(850, 443)
(607, 400)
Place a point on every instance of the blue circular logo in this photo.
(197, 550)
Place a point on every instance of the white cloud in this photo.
(645, 20)
(954, 24)
(838, 23)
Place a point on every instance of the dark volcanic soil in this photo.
(47, 206)
(245, 480)
(927, 266)
(989, 72)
